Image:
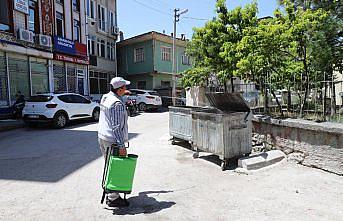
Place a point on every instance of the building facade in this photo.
(25, 49)
(146, 60)
(102, 38)
(43, 48)
(70, 63)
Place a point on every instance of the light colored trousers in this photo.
(103, 144)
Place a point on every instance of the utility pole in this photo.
(176, 19)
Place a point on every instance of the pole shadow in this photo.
(144, 204)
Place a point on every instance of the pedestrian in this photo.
(113, 128)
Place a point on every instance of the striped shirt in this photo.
(113, 120)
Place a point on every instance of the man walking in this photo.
(113, 129)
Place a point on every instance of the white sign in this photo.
(22, 6)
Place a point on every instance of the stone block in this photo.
(261, 160)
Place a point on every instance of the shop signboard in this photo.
(47, 19)
(71, 59)
(69, 47)
(22, 6)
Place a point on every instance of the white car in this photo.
(146, 99)
(59, 109)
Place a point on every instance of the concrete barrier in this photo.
(321, 143)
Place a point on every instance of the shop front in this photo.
(70, 66)
(22, 73)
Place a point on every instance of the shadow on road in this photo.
(47, 155)
(232, 163)
(144, 204)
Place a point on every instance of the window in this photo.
(185, 59)
(77, 30)
(102, 18)
(33, 21)
(5, 19)
(60, 79)
(165, 84)
(101, 48)
(166, 53)
(39, 77)
(141, 85)
(99, 83)
(91, 45)
(108, 50)
(76, 99)
(111, 17)
(19, 77)
(92, 9)
(113, 52)
(61, 2)
(59, 24)
(138, 55)
(76, 5)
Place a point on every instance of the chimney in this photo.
(164, 31)
(121, 36)
(183, 37)
(171, 34)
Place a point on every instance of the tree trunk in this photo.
(278, 103)
(324, 100)
(289, 99)
(266, 109)
(232, 86)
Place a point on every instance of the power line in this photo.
(200, 19)
(151, 8)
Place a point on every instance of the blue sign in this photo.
(63, 45)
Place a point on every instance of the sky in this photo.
(136, 17)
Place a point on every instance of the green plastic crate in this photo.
(120, 173)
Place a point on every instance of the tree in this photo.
(214, 45)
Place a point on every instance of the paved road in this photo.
(48, 174)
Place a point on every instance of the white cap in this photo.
(118, 82)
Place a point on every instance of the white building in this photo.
(102, 37)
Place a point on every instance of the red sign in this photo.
(47, 18)
(66, 58)
(81, 49)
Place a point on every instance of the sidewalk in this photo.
(9, 124)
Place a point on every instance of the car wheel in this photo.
(96, 114)
(60, 120)
(142, 106)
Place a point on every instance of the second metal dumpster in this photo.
(224, 130)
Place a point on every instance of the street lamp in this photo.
(177, 14)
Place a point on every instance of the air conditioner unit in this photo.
(44, 40)
(26, 35)
(115, 30)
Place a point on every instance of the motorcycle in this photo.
(131, 106)
(17, 110)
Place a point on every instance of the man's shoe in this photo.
(119, 202)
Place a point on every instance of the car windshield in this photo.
(153, 93)
(40, 98)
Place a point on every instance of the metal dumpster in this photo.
(180, 123)
(225, 129)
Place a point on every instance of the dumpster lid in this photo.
(228, 102)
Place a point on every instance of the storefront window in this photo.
(19, 77)
(3, 81)
(71, 76)
(98, 83)
(60, 79)
(39, 77)
(5, 19)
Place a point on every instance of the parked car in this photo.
(59, 109)
(146, 99)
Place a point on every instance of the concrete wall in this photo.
(321, 144)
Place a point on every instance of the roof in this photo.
(150, 36)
